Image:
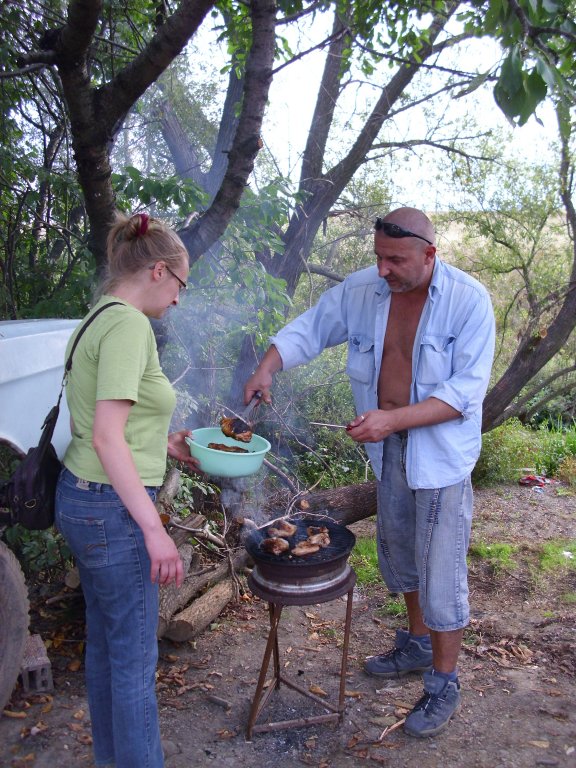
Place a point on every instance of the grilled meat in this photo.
(275, 545)
(312, 530)
(227, 448)
(237, 429)
(304, 548)
(322, 539)
(282, 528)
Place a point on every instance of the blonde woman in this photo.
(121, 405)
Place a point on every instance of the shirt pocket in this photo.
(435, 360)
(360, 363)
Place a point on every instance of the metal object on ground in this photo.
(285, 580)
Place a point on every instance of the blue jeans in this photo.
(121, 621)
(423, 539)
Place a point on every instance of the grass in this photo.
(558, 555)
(364, 560)
(498, 554)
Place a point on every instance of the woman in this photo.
(120, 405)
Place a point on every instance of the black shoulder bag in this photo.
(30, 493)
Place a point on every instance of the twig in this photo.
(391, 728)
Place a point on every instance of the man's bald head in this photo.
(414, 220)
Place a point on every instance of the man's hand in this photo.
(372, 426)
(262, 378)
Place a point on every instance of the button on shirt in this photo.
(451, 361)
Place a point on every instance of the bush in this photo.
(506, 450)
(512, 447)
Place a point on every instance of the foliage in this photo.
(43, 555)
(193, 489)
(567, 469)
(512, 448)
(539, 38)
(393, 606)
(506, 450)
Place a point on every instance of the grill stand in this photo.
(261, 697)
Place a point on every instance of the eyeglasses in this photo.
(182, 286)
(393, 230)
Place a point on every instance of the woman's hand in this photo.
(165, 563)
(178, 449)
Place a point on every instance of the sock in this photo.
(448, 676)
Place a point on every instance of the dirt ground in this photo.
(517, 669)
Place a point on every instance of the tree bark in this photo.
(345, 505)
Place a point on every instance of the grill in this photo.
(287, 579)
(290, 580)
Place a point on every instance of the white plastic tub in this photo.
(31, 370)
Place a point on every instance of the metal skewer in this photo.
(335, 426)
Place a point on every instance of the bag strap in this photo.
(68, 366)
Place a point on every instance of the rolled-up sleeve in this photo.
(472, 356)
(324, 325)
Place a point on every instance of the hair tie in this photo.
(144, 219)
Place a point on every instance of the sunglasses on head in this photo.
(393, 230)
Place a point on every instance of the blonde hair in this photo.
(137, 242)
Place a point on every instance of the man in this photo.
(420, 337)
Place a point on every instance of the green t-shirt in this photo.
(117, 359)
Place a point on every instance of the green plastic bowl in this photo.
(222, 463)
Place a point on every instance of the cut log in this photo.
(196, 581)
(169, 598)
(201, 613)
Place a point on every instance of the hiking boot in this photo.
(407, 656)
(434, 710)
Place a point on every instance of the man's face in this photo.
(405, 263)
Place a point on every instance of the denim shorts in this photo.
(423, 539)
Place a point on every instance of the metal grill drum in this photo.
(291, 580)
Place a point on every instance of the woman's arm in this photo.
(112, 449)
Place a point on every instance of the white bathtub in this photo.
(31, 370)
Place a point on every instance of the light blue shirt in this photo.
(451, 361)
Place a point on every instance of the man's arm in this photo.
(261, 379)
(376, 425)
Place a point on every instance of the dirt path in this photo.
(518, 673)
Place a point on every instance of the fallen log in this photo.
(347, 504)
(201, 613)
